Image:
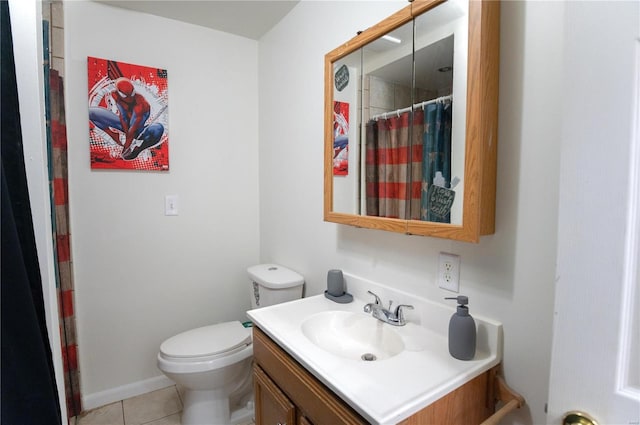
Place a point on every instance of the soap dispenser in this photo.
(462, 331)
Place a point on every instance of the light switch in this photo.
(171, 205)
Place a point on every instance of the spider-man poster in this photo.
(340, 138)
(128, 116)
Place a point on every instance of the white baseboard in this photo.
(102, 398)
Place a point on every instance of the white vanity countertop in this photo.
(390, 390)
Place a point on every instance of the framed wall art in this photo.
(128, 116)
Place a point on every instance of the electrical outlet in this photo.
(449, 272)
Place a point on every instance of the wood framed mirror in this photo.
(411, 119)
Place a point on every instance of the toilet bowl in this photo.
(213, 363)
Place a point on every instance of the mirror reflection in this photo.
(347, 112)
(398, 135)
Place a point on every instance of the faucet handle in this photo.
(399, 313)
(378, 301)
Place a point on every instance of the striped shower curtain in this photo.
(392, 189)
(403, 155)
(59, 192)
(60, 221)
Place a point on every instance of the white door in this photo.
(595, 355)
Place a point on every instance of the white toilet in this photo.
(213, 363)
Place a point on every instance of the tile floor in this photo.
(161, 407)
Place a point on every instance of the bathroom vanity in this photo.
(321, 362)
(287, 393)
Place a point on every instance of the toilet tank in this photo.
(273, 284)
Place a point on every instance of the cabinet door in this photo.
(313, 399)
(303, 420)
(272, 406)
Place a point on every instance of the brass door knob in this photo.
(578, 418)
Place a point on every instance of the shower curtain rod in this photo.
(397, 112)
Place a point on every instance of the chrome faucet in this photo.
(395, 318)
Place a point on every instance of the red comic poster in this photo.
(128, 116)
(340, 138)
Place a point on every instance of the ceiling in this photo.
(251, 19)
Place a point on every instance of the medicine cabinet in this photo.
(411, 118)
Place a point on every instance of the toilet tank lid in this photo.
(207, 340)
(274, 276)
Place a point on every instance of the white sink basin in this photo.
(352, 335)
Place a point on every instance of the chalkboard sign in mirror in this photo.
(411, 122)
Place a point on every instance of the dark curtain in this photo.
(436, 156)
(28, 387)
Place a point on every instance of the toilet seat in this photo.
(206, 342)
(205, 348)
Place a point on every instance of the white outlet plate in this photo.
(449, 272)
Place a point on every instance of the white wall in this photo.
(509, 276)
(140, 276)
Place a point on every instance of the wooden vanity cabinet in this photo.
(277, 373)
(286, 393)
(275, 407)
